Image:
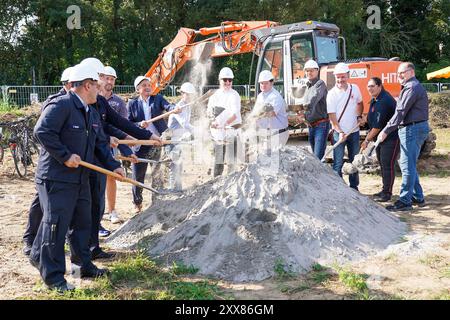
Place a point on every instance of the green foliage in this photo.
(282, 270)
(354, 281)
(180, 268)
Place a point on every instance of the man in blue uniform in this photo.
(35, 212)
(68, 131)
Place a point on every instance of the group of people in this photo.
(396, 127)
(86, 120)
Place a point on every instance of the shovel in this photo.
(117, 176)
(360, 160)
(336, 145)
(141, 160)
(208, 94)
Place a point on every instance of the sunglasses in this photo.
(227, 80)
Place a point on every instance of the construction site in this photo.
(279, 223)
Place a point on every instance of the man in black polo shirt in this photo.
(411, 118)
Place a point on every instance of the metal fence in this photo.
(25, 95)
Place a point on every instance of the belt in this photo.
(408, 124)
(315, 123)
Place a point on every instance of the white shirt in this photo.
(230, 101)
(180, 122)
(148, 115)
(336, 100)
(274, 98)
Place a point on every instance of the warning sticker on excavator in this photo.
(358, 73)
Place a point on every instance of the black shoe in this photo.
(61, 287)
(34, 263)
(379, 194)
(384, 197)
(93, 272)
(419, 203)
(100, 254)
(399, 206)
(26, 250)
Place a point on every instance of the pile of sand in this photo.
(237, 227)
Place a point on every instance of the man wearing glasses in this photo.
(224, 107)
(411, 118)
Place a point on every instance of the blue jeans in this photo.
(317, 138)
(412, 138)
(352, 143)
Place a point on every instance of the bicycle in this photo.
(22, 145)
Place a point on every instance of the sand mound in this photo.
(237, 227)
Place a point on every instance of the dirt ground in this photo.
(416, 268)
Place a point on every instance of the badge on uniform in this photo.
(75, 127)
(94, 125)
(104, 116)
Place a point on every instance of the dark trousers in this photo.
(66, 207)
(139, 171)
(224, 153)
(34, 220)
(387, 154)
(97, 182)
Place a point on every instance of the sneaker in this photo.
(114, 217)
(384, 197)
(102, 232)
(399, 206)
(419, 203)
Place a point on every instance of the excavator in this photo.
(282, 49)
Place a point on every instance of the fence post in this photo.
(5, 94)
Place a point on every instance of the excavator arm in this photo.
(230, 38)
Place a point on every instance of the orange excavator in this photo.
(282, 49)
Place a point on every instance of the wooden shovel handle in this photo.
(142, 142)
(115, 175)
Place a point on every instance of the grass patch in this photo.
(6, 108)
(444, 295)
(138, 277)
(180, 268)
(355, 282)
(282, 270)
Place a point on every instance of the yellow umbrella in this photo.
(443, 73)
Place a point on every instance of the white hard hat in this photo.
(187, 87)
(65, 75)
(311, 64)
(341, 68)
(94, 63)
(265, 75)
(226, 73)
(82, 72)
(138, 80)
(109, 71)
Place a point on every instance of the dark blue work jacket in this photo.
(65, 128)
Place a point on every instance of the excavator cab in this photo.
(287, 48)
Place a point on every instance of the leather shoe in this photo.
(93, 272)
(26, 250)
(100, 254)
(399, 206)
(419, 203)
(34, 263)
(384, 197)
(378, 194)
